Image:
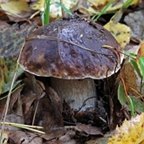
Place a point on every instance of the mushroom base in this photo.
(79, 94)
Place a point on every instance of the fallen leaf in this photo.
(92, 7)
(14, 104)
(130, 79)
(67, 138)
(131, 132)
(13, 118)
(140, 52)
(102, 140)
(38, 5)
(20, 137)
(121, 32)
(99, 4)
(31, 94)
(16, 10)
(49, 112)
(88, 129)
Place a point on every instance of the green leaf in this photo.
(122, 97)
(136, 67)
(138, 104)
(131, 106)
(141, 64)
(45, 16)
(131, 55)
(125, 100)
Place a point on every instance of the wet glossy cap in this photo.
(71, 49)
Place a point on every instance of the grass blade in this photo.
(46, 14)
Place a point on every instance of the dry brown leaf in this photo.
(57, 133)
(20, 137)
(49, 112)
(28, 100)
(60, 136)
(88, 129)
(66, 139)
(130, 79)
(140, 50)
(31, 93)
(13, 118)
(14, 100)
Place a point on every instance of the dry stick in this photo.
(27, 127)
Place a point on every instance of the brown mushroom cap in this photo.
(71, 49)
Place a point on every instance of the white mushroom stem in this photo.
(79, 94)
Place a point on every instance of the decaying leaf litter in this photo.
(36, 106)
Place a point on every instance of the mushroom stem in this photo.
(79, 94)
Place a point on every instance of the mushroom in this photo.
(72, 52)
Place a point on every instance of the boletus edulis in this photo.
(73, 53)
